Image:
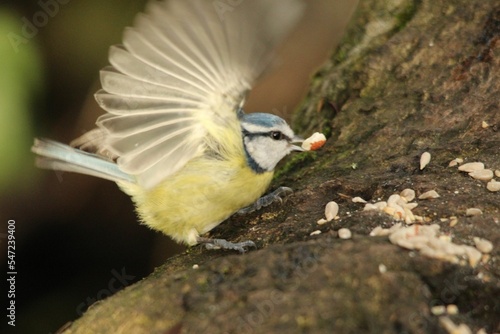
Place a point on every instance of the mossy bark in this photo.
(410, 76)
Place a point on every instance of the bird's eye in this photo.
(276, 135)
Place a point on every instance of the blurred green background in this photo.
(76, 234)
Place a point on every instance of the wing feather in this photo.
(119, 105)
(179, 77)
(141, 69)
(124, 126)
(123, 85)
(150, 146)
(184, 59)
(146, 53)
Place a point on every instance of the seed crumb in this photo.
(473, 212)
(452, 309)
(438, 310)
(322, 221)
(331, 210)
(493, 186)
(425, 158)
(429, 195)
(471, 167)
(482, 175)
(345, 233)
(455, 162)
(358, 200)
(483, 245)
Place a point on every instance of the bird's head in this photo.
(267, 139)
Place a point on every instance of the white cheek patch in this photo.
(266, 152)
(249, 145)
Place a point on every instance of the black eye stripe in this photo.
(266, 134)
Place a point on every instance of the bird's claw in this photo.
(275, 196)
(224, 244)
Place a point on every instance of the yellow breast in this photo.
(198, 197)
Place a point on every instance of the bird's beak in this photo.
(297, 140)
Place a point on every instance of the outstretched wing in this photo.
(183, 69)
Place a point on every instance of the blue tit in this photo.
(174, 136)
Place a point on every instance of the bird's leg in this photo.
(275, 196)
(224, 244)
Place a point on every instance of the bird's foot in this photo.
(224, 244)
(275, 196)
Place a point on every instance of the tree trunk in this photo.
(409, 77)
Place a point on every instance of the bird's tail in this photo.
(57, 156)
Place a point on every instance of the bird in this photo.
(174, 135)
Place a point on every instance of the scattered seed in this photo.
(195, 266)
(429, 195)
(455, 162)
(408, 194)
(382, 268)
(315, 232)
(483, 174)
(497, 172)
(473, 212)
(471, 167)
(389, 210)
(463, 329)
(425, 158)
(410, 206)
(315, 142)
(451, 328)
(420, 219)
(445, 237)
(396, 206)
(395, 227)
(493, 186)
(345, 233)
(426, 239)
(484, 125)
(474, 255)
(483, 245)
(393, 200)
(452, 309)
(379, 231)
(331, 210)
(438, 310)
(405, 237)
(358, 200)
(322, 221)
(370, 206)
(453, 221)
(381, 205)
(409, 217)
(400, 211)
